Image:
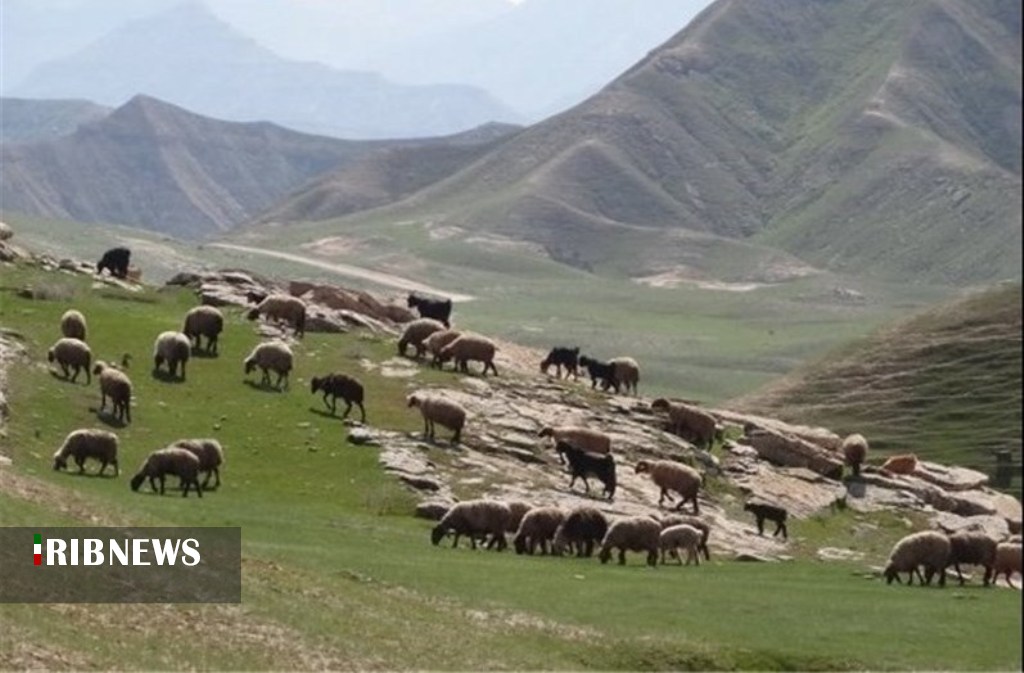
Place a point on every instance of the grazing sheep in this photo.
(415, 332)
(855, 450)
(437, 309)
(1007, 561)
(600, 372)
(972, 549)
(902, 464)
(674, 538)
(764, 511)
(116, 261)
(635, 533)
(437, 341)
(583, 464)
(689, 422)
(271, 355)
(671, 476)
(583, 527)
(87, 443)
(584, 439)
(340, 385)
(174, 348)
(518, 508)
(204, 321)
(928, 548)
(562, 356)
(678, 520)
(175, 460)
(538, 527)
(439, 410)
(210, 454)
(282, 307)
(116, 385)
(71, 353)
(475, 518)
(470, 348)
(73, 325)
(625, 372)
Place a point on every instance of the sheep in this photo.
(703, 527)
(174, 348)
(340, 385)
(855, 450)
(583, 464)
(625, 372)
(902, 464)
(538, 527)
(972, 549)
(271, 355)
(467, 348)
(474, 518)
(210, 454)
(585, 439)
(71, 353)
(1007, 561)
(116, 385)
(764, 511)
(583, 527)
(635, 533)
(439, 410)
(674, 538)
(282, 307)
(204, 321)
(73, 324)
(415, 332)
(173, 460)
(116, 261)
(560, 356)
(599, 371)
(671, 476)
(518, 508)
(88, 443)
(438, 309)
(689, 422)
(255, 296)
(928, 548)
(437, 341)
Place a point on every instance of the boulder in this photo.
(792, 451)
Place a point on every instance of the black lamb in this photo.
(438, 309)
(600, 372)
(115, 261)
(562, 356)
(583, 465)
(764, 511)
(343, 386)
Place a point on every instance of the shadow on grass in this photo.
(167, 377)
(263, 387)
(204, 354)
(92, 475)
(108, 418)
(68, 379)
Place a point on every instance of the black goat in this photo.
(562, 356)
(343, 386)
(583, 465)
(772, 513)
(438, 309)
(255, 296)
(115, 261)
(600, 371)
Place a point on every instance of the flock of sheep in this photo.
(585, 451)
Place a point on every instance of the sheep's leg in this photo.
(362, 413)
(163, 481)
(760, 525)
(330, 405)
(490, 363)
(348, 408)
(622, 556)
(960, 575)
(782, 527)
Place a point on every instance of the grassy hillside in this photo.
(338, 575)
(945, 383)
(25, 120)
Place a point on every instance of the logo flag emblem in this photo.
(37, 550)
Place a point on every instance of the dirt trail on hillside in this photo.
(386, 279)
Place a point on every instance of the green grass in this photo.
(338, 575)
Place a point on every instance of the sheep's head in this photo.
(60, 462)
(100, 366)
(891, 574)
(660, 404)
(437, 534)
(316, 384)
(137, 480)
(50, 355)
(414, 401)
(641, 467)
(605, 555)
(546, 431)
(253, 314)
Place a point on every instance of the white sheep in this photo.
(928, 548)
(71, 353)
(584, 439)
(437, 341)
(116, 385)
(282, 307)
(635, 533)
(204, 321)
(678, 519)
(855, 451)
(671, 476)
(538, 527)
(689, 422)
(210, 454)
(86, 443)
(475, 518)
(1007, 561)
(270, 356)
(73, 325)
(682, 536)
(470, 348)
(626, 372)
(173, 460)
(174, 348)
(439, 410)
(415, 333)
